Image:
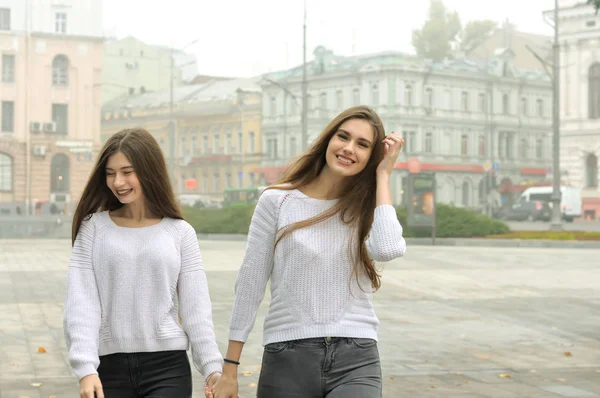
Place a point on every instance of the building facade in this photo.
(475, 124)
(579, 35)
(50, 98)
(216, 140)
(133, 67)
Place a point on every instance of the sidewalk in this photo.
(455, 321)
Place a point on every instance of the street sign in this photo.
(190, 184)
(496, 166)
(487, 166)
(414, 165)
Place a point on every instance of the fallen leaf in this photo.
(392, 378)
(483, 357)
(252, 385)
(247, 373)
(505, 375)
(533, 371)
(568, 354)
(561, 380)
(36, 384)
(52, 396)
(598, 371)
(432, 386)
(41, 350)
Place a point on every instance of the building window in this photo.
(194, 144)
(273, 107)
(240, 146)
(8, 68)
(591, 171)
(524, 106)
(539, 148)
(411, 137)
(228, 180)
(510, 145)
(505, 104)
(339, 100)
(466, 194)
(481, 150)
(464, 100)
(523, 148)
(60, 116)
(204, 183)
(293, 146)
(272, 148)
(183, 146)
(464, 145)
(6, 172)
(323, 102)
(240, 179)
(216, 143)
(374, 95)
(594, 91)
(205, 148)
(481, 102)
(8, 116)
(60, 22)
(428, 142)
(356, 96)
(540, 107)
(228, 143)
(429, 97)
(251, 142)
(216, 182)
(448, 98)
(59, 173)
(408, 95)
(60, 71)
(4, 18)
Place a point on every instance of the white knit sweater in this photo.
(126, 289)
(314, 292)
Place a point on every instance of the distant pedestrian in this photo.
(315, 235)
(135, 267)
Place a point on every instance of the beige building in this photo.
(50, 99)
(216, 141)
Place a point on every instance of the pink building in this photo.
(51, 68)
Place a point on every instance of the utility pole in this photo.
(304, 88)
(171, 123)
(556, 224)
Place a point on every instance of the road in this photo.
(593, 226)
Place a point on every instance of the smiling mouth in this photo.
(344, 160)
(124, 192)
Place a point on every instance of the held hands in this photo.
(224, 387)
(393, 144)
(89, 385)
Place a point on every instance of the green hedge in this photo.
(450, 221)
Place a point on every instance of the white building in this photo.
(579, 36)
(440, 108)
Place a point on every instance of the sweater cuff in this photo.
(212, 367)
(238, 335)
(84, 369)
(385, 212)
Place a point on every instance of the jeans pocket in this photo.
(276, 348)
(364, 343)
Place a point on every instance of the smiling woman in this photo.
(135, 269)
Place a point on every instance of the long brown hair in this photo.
(356, 205)
(147, 160)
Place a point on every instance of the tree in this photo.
(435, 39)
(475, 33)
(596, 4)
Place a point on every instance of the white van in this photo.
(570, 202)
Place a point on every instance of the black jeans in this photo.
(331, 367)
(162, 374)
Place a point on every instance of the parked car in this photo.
(536, 210)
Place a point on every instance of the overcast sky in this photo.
(248, 37)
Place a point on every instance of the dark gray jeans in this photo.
(330, 367)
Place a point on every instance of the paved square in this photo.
(456, 322)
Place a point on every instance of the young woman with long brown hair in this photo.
(135, 268)
(315, 235)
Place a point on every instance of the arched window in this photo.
(591, 171)
(60, 71)
(6, 172)
(594, 91)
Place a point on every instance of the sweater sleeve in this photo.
(195, 305)
(256, 267)
(82, 313)
(385, 242)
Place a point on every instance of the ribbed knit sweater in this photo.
(314, 291)
(128, 286)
